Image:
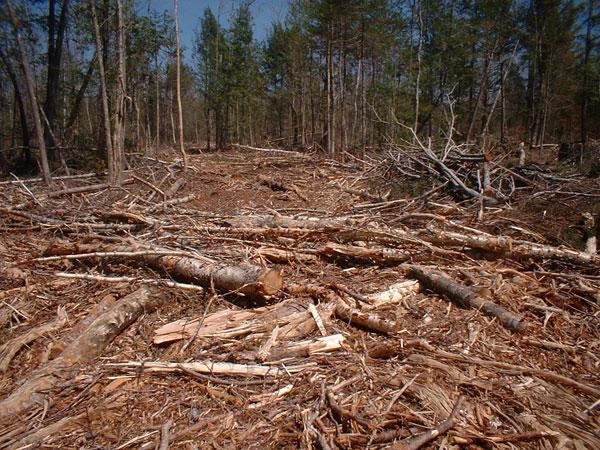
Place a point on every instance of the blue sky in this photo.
(264, 13)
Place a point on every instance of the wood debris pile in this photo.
(272, 300)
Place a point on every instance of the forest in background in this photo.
(335, 76)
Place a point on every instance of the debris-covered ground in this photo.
(366, 321)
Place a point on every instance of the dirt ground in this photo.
(530, 389)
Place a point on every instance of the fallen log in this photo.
(212, 367)
(253, 281)
(466, 298)
(513, 248)
(379, 256)
(364, 319)
(172, 202)
(89, 345)
(82, 189)
(346, 230)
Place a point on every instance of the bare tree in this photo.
(112, 175)
(119, 128)
(179, 109)
(39, 129)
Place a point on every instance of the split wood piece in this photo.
(266, 399)
(10, 349)
(344, 312)
(211, 367)
(89, 345)
(172, 202)
(418, 441)
(365, 195)
(253, 281)
(172, 190)
(82, 189)
(380, 256)
(291, 316)
(466, 298)
(396, 293)
(590, 229)
(308, 347)
(364, 319)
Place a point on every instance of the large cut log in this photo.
(245, 279)
(465, 297)
(89, 345)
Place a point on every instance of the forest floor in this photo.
(534, 388)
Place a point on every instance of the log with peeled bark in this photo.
(347, 230)
(253, 281)
(466, 298)
(507, 246)
(88, 345)
(380, 256)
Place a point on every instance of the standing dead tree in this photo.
(29, 82)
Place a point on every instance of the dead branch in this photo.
(418, 441)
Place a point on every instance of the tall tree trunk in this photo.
(39, 129)
(79, 97)
(119, 129)
(20, 105)
(112, 175)
(480, 95)
(418, 80)
(179, 108)
(55, 47)
(585, 87)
